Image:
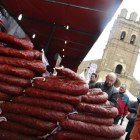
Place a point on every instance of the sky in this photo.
(96, 51)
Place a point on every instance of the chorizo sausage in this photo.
(22, 72)
(95, 99)
(8, 135)
(33, 111)
(19, 128)
(69, 73)
(37, 54)
(31, 122)
(105, 103)
(10, 89)
(34, 92)
(69, 135)
(104, 111)
(5, 97)
(35, 65)
(25, 54)
(114, 131)
(95, 91)
(18, 42)
(72, 87)
(13, 80)
(52, 137)
(50, 104)
(91, 119)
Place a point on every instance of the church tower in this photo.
(122, 49)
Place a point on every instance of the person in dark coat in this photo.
(135, 134)
(109, 88)
(92, 81)
(132, 109)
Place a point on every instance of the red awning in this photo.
(48, 20)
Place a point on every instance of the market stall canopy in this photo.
(48, 19)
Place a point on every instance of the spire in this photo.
(123, 13)
(133, 16)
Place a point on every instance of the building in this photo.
(121, 52)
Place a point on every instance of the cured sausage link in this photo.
(95, 90)
(33, 111)
(7, 135)
(114, 131)
(22, 72)
(30, 121)
(107, 103)
(13, 80)
(72, 87)
(50, 104)
(37, 54)
(25, 54)
(34, 92)
(35, 65)
(5, 97)
(92, 119)
(19, 128)
(18, 42)
(104, 111)
(10, 89)
(95, 99)
(69, 135)
(69, 74)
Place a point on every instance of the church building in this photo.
(121, 52)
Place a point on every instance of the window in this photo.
(123, 35)
(118, 69)
(133, 38)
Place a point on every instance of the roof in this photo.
(48, 20)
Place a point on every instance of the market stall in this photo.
(53, 107)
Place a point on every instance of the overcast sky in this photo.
(96, 51)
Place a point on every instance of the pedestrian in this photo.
(109, 88)
(135, 134)
(122, 103)
(92, 81)
(132, 109)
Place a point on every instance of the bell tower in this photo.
(122, 49)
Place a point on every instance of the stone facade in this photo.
(121, 52)
(84, 66)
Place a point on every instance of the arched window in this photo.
(133, 38)
(118, 69)
(122, 35)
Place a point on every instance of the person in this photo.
(135, 134)
(109, 88)
(122, 103)
(92, 81)
(132, 109)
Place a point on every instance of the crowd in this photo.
(120, 100)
